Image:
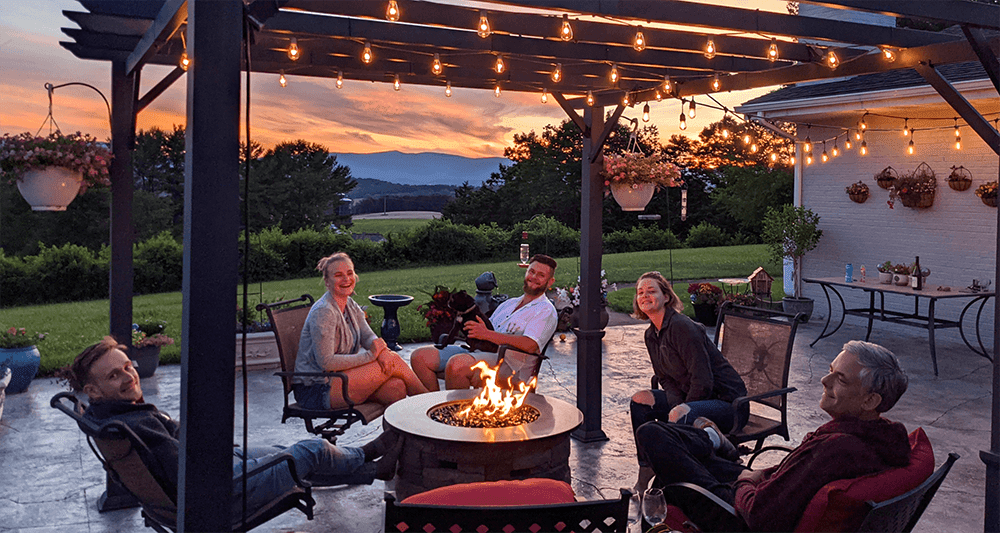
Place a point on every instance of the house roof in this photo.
(893, 79)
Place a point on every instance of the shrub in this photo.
(17, 284)
(69, 273)
(158, 264)
(303, 249)
(546, 235)
(704, 235)
(640, 239)
(441, 242)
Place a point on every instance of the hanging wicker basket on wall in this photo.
(987, 192)
(916, 189)
(859, 197)
(858, 192)
(886, 178)
(992, 202)
(960, 178)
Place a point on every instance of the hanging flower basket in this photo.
(633, 177)
(960, 178)
(886, 178)
(987, 192)
(915, 189)
(51, 171)
(858, 192)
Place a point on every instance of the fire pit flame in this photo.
(495, 400)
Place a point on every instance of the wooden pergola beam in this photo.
(963, 12)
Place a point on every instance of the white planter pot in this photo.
(50, 189)
(4, 381)
(262, 351)
(885, 277)
(633, 197)
(901, 279)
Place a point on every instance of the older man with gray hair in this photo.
(864, 381)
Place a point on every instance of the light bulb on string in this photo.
(791, 160)
(858, 135)
(500, 66)
(639, 41)
(626, 101)
(824, 156)
(836, 149)
(282, 80)
(614, 73)
(645, 113)
(392, 11)
(772, 51)
(692, 111)
(958, 136)
(746, 138)
(666, 84)
(366, 54)
(436, 67)
(590, 98)
(753, 148)
(808, 146)
(496, 91)
(910, 148)
(906, 127)
(395, 82)
(185, 62)
(832, 61)
(809, 158)
(483, 29)
(557, 73)
(659, 96)
(566, 31)
(340, 79)
(864, 148)
(773, 157)
(716, 84)
(847, 140)
(293, 50)
(725, 129)
(447, 89)
(889, 55)
(545, 96)
(683, 124)
(710, 49)
(862, 125)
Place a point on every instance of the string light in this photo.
(545, 96)
(590, 98)
(282, 80)
(824, 156)
(496, 91)
(625, 100)
(666, 84)
(832, 61)
(566, 31)
(691, 109)
(710, 49)
(395, 82)
(645, 113)
(808, 146)
(483, 29)
(392, 11)
(639, 42)
(847, 140)
(447, 89)
(614, 73)
(683, 125)
(809, 158)
(909, 147)
(716, 84)
(366, 54)
(862, 126)
(753, 148)
(836, 150)
(906, 127)
(340, 79)
(791, 160)
(436, 67)
(659, 96)
(774, 157)
(557, 73)
(772, 51)
(725, 131)
(185, 62)
(746, 138)
(889, 55)
(958, 137)
(293, 50)
(864, 148)
(499, 65)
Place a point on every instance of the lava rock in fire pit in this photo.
(449, 414)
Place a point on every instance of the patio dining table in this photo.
(928, 321)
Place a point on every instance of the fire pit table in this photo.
(437, 454)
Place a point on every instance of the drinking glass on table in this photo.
(654, 506)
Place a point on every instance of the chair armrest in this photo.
(654, 382)
(770, 394)
(503, 347)
(339, 375)
(706, 510)
(277, 459)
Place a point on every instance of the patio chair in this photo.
(118, 449)
(480, 507)
(287, 319)
(513, 362)
(891, 501)
(758, 344)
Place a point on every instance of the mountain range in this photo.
(425, 168)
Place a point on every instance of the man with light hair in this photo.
(864, 381)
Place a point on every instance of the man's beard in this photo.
(533, 292)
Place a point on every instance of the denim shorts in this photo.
(446, 353)
(315, 396)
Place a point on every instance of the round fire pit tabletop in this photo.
(410, 415)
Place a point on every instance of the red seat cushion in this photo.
(840, 505)
(537, 491)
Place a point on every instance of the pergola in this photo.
(689, 49)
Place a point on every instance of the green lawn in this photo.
(385, 226)
(73, 326)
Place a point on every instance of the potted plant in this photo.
(438, 316)
(885, 272)
(705, 299)
(633, 177)
(858, 192)
(573, 294)
(50, 171)
(987, 192)
(915, 189)
(19, 352)
(790, 232)
(901, 274)
(960, 178)
(886, 178)
(147, 340)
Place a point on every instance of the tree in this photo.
(297, 185)
(158, 166)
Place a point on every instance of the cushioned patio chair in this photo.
(527, 505)
(287, 320)
(118, 448)
(891, 501)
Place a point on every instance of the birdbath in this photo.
(390, 324)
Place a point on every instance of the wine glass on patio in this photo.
(654, 506)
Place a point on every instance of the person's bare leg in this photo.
(458, 372)
(362, 382)
(399, 369)
(390, 392)
(424, 362)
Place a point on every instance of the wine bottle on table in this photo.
(919, 283)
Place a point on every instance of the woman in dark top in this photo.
(694, 378)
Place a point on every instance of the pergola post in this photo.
(211, 229)
(120, 279)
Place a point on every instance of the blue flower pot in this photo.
(23, 364)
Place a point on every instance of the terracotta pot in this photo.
(50, 189)
(633, 197)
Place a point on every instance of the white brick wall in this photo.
(956, 237)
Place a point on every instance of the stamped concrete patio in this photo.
(50, 480)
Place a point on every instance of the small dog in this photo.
(466, 309)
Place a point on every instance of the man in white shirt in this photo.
(525, 323)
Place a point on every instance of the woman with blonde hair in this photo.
(337, 338)
(696, 384)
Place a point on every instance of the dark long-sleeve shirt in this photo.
(688, 365)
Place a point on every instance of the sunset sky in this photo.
(362, 117)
